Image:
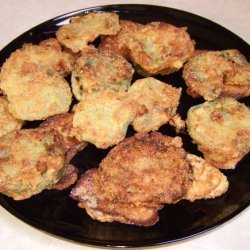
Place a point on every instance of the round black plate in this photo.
(56, 213)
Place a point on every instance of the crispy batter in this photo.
(89, 194)
(118, 43)
(160, 101)
(8, 122)
(98, 70)
(208, 181)
(146, 168)
(85, 29)
(222, 131)
(160, 48)
(31, 160)
(103, 118)
(213, 74)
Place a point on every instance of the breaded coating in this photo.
(33, 84)
(89, 194)
(160, 101)
(221, 129)
(160, 48)
(8, 122)
(119, 43)
(208, 181)
(214, 74)
(85, 29)
(31, 160)
(148, 168)
(97, 70)
(103, 118)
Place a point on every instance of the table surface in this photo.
(18, 16)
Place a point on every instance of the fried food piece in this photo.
(63, 124)
(85, 29)
(208, 181)
(118, 43)
(89, 194)
(160, 101)
(103, 118)
(160, 48)
(8, 122)
(147, 168)
(213, 74)
(97, 70)
(31, 160)
(34, 87)
(221, 129)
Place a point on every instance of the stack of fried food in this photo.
(142, 173)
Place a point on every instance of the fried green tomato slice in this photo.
(103, 118)
(159, 102)
(150, 168)
(97, 70)
(214, 74)
(119, 43)
(84, 29)
(8, 122)
(31, 160)
(160, 48)
(221, 129)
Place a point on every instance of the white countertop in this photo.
(18, 16)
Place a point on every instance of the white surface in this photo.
(17, 16)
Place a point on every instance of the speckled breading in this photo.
(160, 101)
(84, 29)
(160, 48)
(90, 196)
(97, 70)
(34, 88)
(213, 74)
(119, 42)
(221, 129)
(208, 181)
(8, 122)
(31, 160)
(146, 168)
(103, 118)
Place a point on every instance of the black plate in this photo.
(56, 213)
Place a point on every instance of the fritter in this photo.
(119, 43)
(31, 160)
(208, 181)
(97, 70)
(89, 194)
(103, 118)
(221, 129)
(8, 122)
(160, 101)
(147, 168)
(214, 74)
(160, 48)
(63, 124)
(84, 29)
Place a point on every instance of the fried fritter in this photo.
(31, 160)
(89, 194)
(103, 118)
(149, 168)
(221, 129)
(213, 74)
(160, 101)
(97, 70)
(8, 122)
(160, 48)
(119, 43)
(84, 29)
(208, 181)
